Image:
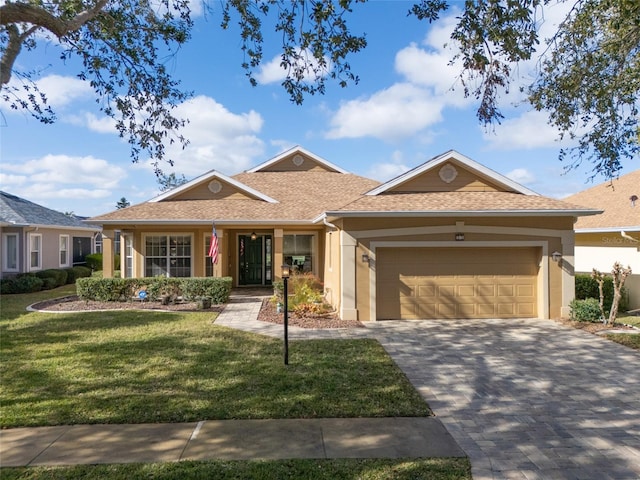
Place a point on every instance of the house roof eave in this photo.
(459, 213)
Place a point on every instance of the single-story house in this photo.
(35, 238)
(448, 239)
(614, 235)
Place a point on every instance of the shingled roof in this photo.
(20, 212)
(300, 197)
(616, 198)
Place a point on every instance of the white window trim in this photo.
(39, 266)
(66, 250)
(5, 252)
(165, 234)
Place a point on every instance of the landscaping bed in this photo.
(72, 303)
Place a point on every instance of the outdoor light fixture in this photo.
(365, 258)
(286, 272)
(253, 235)
(459, 237)
(556, 257)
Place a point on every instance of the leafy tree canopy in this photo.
(588, 78)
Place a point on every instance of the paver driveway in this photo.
(526, 399)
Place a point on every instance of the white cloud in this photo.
(54, 173)
(273, 71)
(386, 171)
(60, 91)
(522, 176)
(528, 131)
(400, 111)
(219, 139)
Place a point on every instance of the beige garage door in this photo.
(422, 283)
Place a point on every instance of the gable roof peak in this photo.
(297, 150)
(456, 157)
(208, 177)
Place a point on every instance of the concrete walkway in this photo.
(228, 440)
(525, 399)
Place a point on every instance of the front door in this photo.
(251, 260)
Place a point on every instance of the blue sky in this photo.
(403, 112)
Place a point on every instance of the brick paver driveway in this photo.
(526, 399)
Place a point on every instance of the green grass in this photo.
(394, 469)
(138, 367)
(631, 340)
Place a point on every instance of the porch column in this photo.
(568, 274)
(348, 310)
(223, 255)
(278, 255)
(107, 253)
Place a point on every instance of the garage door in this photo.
(423, 283)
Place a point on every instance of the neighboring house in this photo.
(613, 236)
(33, 237)
(448, 239)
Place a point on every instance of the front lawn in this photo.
(631, 340)
(137, 367)
(386, 469)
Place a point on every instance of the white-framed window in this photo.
(167, 255)
(10, 252)
(128, 256)
(64, 250)
(35, 251)
(299, 251)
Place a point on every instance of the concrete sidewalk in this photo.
(228, 440)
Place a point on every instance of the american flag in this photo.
(213, 248)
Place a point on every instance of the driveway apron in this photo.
(526, 399)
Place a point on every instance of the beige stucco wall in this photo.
(549, 235)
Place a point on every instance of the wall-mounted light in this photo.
(365, 258)
(459, 237)
(556, 257)
(253, 235)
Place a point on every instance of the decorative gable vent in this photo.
(298, 160)
(448, 173)
(215, 186)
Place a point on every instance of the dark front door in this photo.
(81, 248)
(251, 260)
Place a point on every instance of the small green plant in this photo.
(305, 295)
(587, 310)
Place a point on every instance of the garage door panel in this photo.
(416, 283)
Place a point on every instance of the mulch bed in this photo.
(73, 304)
(595, 327)
(267, 313)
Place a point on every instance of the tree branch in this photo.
(14, 45)
(14, 13)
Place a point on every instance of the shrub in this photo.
(217, 289)
(123, 289)
(587, 310)
(94, 261)
(59, 277)
(587, 287)
(305, 294)
(28, 283)
(7, 286)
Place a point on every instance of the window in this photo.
(128, 256)
(167, 255)
(10, 253)
(35, 251)
(299, 251)
(64, 250)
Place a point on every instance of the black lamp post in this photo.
(285, 278)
